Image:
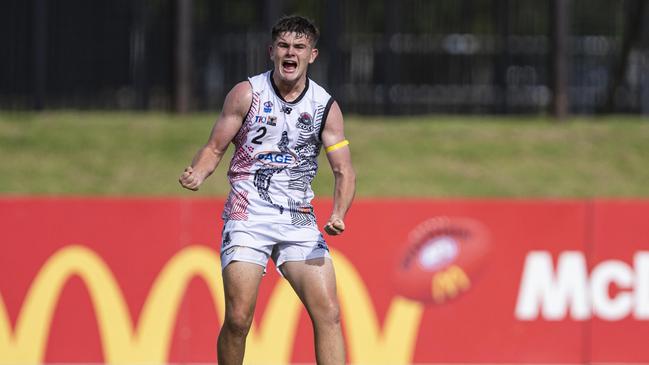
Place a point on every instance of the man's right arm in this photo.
(235, 107)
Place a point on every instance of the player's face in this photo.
(292, 54)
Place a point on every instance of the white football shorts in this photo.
(255, 242)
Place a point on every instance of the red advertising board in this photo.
(433, 281)
(620, 253)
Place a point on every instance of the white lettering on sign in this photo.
(569, 290)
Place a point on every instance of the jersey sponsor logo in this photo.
(277, 159)
(306, 209)
(269, 120)
(305, 122)
(287, 110)
(268, 106)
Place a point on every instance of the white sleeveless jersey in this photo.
(276, 155)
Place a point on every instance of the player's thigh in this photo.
(314, 281)
(241, 284)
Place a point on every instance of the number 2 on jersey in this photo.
(262, 133)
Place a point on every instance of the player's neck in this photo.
(289, 91)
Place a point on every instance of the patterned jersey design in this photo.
(308, 148)
(263, 175)
(236, 207)
(242, 159)
(276, 155)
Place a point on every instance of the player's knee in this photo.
(327, 313)
(238, 322)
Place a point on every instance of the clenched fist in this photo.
(190, 179)
(335, 226)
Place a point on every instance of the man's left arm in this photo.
(339, 156)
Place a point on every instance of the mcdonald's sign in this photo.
(138, 281)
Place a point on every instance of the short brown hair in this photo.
(298, 24)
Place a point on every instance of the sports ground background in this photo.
(501, 156)
(527, 242)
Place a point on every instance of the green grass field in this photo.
(142, 154)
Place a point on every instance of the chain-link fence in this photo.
(377, 57)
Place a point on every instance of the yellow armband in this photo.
(336, 146)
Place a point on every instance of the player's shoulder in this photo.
(242, 91)
(319, 93)
(241, 88)
(239, 98)
(259, 81)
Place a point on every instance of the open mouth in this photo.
(289, 66)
